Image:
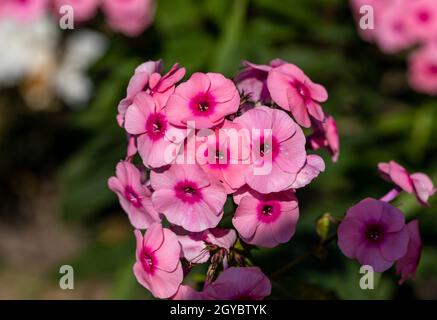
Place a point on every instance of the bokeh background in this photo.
(55, 159)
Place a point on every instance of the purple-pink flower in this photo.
(266, 220)
(157, 265)
(205, 99)
(374, 233)
(185, 195)
(407, 265)
(325, 135)
(293, 91)
(417, 183)
(134, 196)
(239, 284)
(252, 80)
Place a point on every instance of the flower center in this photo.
(268, 211)
(132, 197)
(156, 125)
(203, 106)
(301, 89)
(374, 233)
(268, 148)
(148, 261)
(188, 192)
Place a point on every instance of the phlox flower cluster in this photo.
(130, 17)
(197, 143)
(404, 24)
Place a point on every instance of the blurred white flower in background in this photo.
(82, 50)
(34, 58)
(24, 47)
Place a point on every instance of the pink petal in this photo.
(284, 228)
(169, 252)
(221, 88)
(166, 284)
(245, 219)
(284, 126)
(154, 237)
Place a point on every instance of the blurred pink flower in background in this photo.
(400, 25)
(417, 183)
(157, 265)
(134, 197)
(293, 91)
(130, 17)
(266, 220)
(422, 70)
(394, 33)
(374, 233)
(205, 98)
(407, 265)
(239, 284)
(23, 10)
(84, 10)
(421, 17)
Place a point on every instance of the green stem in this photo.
(304, 256)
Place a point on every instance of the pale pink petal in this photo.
(154, 237)
(168, 254)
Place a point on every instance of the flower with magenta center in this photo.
(157, 265)
(205, 99)
(158, 141)
(293, 91)
(134, 197)
(265, 220)
(187, 197)
(278, 149)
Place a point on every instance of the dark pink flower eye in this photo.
(374, 233)
(148, 261)
(132, 197)
(156, 125)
